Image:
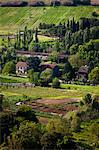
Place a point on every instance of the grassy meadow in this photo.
(69, 91)
(12, 79)
(12, 19)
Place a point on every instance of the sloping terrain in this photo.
(15, 18)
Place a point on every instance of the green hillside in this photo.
(12, 19)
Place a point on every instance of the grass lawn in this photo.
(12, 79)
(12, 19)
(43, 38)
(75, 91)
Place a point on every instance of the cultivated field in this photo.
(12, 19)
(47, 101)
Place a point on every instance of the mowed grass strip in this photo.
(12, 79)
(12, 19)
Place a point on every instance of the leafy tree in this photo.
(67, 76)
(55, 83)
(53, 56)
(94, 14)
(33, 63)
(67, 67)
(76, 61)
(95, 103)
(46, 77)
(26, 137)
(94, 131)
(9, 68)
(86, 35)
(49, 140)
(26, 113)
(34, 78)
(59, 126)
(36, 36)
(87, 99)
(94, 75)
(30, 73)
(6, 123)
(73, 49)
(75, 124)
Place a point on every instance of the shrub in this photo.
(9, 68)
(55, 83)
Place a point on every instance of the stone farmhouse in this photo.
(21, 68)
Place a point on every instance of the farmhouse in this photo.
(27, 54)
(82, 73)
(41, 55)
(21, 68)
(94, 2)
(54, 67)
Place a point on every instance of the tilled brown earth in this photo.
(54, 106)
(57, 101)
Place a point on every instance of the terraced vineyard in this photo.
(12, 19)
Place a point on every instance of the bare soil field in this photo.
(54, 107)
(57, 101)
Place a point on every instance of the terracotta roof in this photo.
(21, 64)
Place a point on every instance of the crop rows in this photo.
(12, 19)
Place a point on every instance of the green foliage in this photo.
(58, 126)
(9, 68)
(87, 99)
(75, 124)
(53, 56)
(73, 49)
(34, 63)
(94, 75)
(26, 137)
(49, 140)
(89, 53)
(35, 78)
(46, 77)
(6, 123)
(76, 61)
(55, 83)
(27, 113)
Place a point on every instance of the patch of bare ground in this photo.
(57, 101)
(48, 106)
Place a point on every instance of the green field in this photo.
(12, 19)
(69, 91)
(12, 79)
